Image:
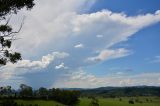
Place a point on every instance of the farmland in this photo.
(143, 101)
(152, 101)
(106, 96)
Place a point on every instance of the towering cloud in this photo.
(64, 25)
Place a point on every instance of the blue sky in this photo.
(144, 43)
(130, 7)
(87, 44)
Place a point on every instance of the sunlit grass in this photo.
(155, 101)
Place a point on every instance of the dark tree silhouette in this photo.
(26, 91)
(9, 7)
(43, 92)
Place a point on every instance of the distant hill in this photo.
(120, 91)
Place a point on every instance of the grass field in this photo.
(146, 101)
(124, 102)
(39, 102)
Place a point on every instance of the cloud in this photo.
(61, 66)
(77, 79)
(155, 60)
(11, 71)
(110, 54)
(99, 36)
(70, 27)
(45, 61)
(57, 25)
(81, 79)
(115, 27)
(47, 25)
(157, 12)
(79, 46)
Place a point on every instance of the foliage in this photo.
(8, 102)
(94, 102)
(25, 91)
(131, 102)
(6, 91)
(43, 92)
(67, 97)
(9, 7)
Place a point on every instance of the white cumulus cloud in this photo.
(61, 66)
(27, 66)
(79, 46)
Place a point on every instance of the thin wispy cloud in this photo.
(156, 59)
(81, 79)
(110, 54)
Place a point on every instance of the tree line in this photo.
(113, 92)
(67, 97)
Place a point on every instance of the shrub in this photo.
(120, 99)
(147, 100)
(137, 100)
(131, 102)
(30, 104)
(94, 102)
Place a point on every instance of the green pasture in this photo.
(38, 102)
(152, 101)
(145, 101)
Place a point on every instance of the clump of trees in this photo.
(7, 34)
(94, 102)
(131, 102)
(25, 91)
(67, 97)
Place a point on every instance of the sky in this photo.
(86, 44)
